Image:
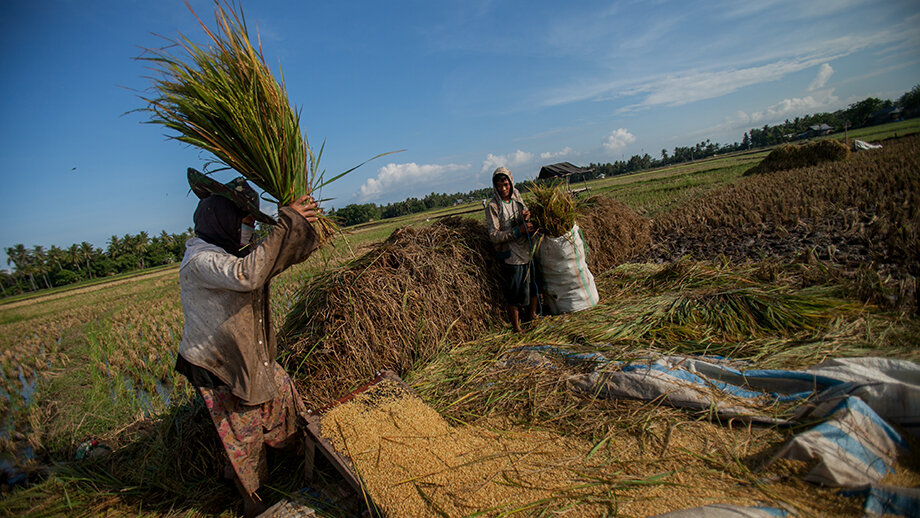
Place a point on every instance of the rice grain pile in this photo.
(396, 306)
(614, 233)
(413, 463)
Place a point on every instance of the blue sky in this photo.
(463, 86)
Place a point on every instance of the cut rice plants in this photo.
(223, 99)
(552, 208)
(792, 156)
(852, 212)
(393, 308)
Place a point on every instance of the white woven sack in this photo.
(568, 284)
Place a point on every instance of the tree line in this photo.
(39, 268)
(356, 213)
(868, 112)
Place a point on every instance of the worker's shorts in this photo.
(519, 284)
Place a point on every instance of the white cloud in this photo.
(824, 73)
(563, 152)
(796, 106)
(822, 100)
(697, 84)
(518, 158)
(793, 8)
(618, 139)
(395, 177)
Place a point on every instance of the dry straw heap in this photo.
(413, 295)
(393, 308)
(791, 156)
(613, 232)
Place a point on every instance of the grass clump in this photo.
(793, 156)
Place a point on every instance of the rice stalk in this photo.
(221, 97)
(552, 208)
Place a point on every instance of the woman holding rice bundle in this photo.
(509, 227)
(228, 347)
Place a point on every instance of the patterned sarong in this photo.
(245, 430)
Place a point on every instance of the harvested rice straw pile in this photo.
(793, 156)
(414, 464)
(614, 233)
(399, 304)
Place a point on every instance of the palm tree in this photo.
(20, 256)
(87, 252)
(4, 279)
(115, 248)
(40, 263)
(141, 243)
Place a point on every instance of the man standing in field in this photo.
(228, 347)
(509, 227)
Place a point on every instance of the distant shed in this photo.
(564, 170)
(560, 170)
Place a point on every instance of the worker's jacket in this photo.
(225, 299)
(510, 246)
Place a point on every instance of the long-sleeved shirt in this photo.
(225, 300)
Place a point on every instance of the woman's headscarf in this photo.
(218, 221)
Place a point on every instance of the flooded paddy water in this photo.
(72, 364)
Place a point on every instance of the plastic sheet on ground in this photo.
(845, 406)
(861, 145)
(725, 511)
(888, 500)
(853, 447)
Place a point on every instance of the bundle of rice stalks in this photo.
(223, 99)
(614, 233)
(394, 307)
(552, 209)
(792, 156)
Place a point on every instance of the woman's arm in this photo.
(289, 243)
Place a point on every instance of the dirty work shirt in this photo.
(519, 248)
(501, 220)
(225, 300)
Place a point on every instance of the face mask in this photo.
(246, 234)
